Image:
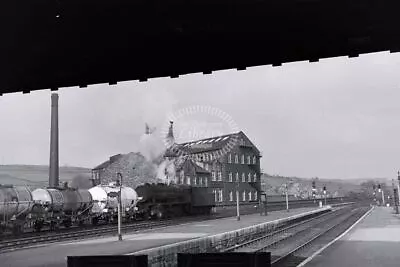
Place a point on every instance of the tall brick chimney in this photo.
(54, 165)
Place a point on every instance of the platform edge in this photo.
(303, 263)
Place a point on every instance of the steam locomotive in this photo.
(21, 208)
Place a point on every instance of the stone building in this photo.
(134, 167)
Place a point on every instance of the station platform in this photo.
(54, 255)
(373, 242)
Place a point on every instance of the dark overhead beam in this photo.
(48, 44)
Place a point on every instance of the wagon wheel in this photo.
(67, 224)
(95, 221)
(52, 225)
(146, 216)
(17, 229)
(38, 226)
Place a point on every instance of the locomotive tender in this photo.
(21, 208)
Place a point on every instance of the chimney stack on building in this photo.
(170, 135)
(54, 164)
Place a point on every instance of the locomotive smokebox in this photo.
(54, 168)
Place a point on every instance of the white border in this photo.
(303, 263)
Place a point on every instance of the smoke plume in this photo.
(81, 182)
(166, 171)
(151, 146)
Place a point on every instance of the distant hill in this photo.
(37, 175)
(301, 187)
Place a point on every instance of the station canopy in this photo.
(48, 44)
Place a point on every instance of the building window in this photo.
(219, 176)
(237, 177)
(255, 177)
(200, 181)
(249, 195)
(188, 180)
(221, 196)
(215, 195)
(231, 196)
(244, 195)
(242, 160)
(182, 178)
(254, 160)
(248, 159)
(229, 158)
(236, 159)
(243, 177)
(230, 177)
(213, 176)
(205, 181)
(255, 195)
(195, 180)
(249, 177)
(206, 157)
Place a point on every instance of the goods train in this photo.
(21, 208)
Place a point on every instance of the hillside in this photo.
(301, 187)
(36, 174)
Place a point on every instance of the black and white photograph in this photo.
(251, 133)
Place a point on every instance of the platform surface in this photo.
(54, 255)
(373, 242)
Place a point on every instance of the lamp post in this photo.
(119, 206)
(380, 190)
(325, 194)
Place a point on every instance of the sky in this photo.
(336, 118)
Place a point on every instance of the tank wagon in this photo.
(60, 206)
(15, 206)
(21, 208)
(105, 202)
(162, 201)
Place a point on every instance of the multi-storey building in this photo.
(234, 163)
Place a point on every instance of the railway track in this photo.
(68, 234)
(109, 230)
(291, 245)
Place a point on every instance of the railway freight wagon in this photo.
(64, 206)
(161, 201)
(105, 202)
(15, 206)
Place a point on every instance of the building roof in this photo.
(209, 144)
(181, 162)
(107, 163)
